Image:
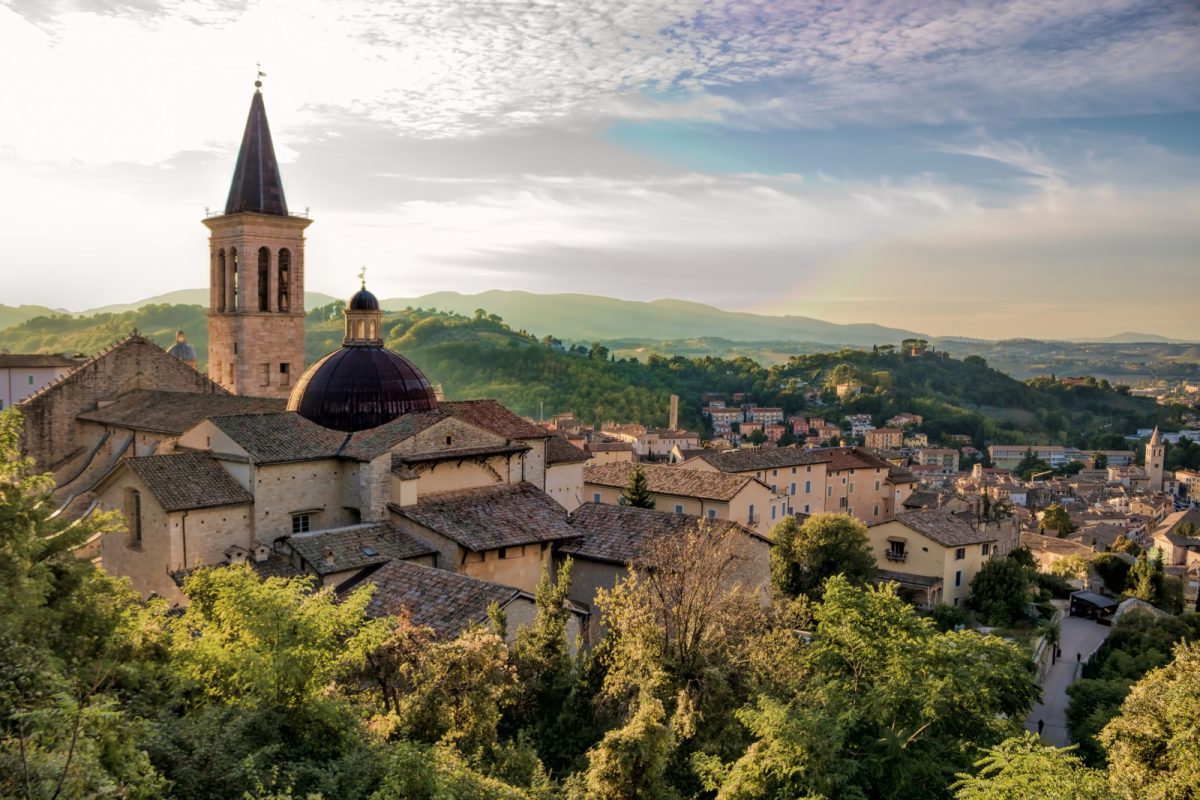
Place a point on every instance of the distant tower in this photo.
(182, 350)
(1156, 456)
(256, 251)
(673, 421)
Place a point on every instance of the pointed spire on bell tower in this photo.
(256, 186)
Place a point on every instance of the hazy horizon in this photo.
(1001, 170)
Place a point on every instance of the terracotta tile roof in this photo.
(610, 447)
(945, 528)
(617, 534)
(374, 442)
(923, 499)
(504, 515)
(491, 416)
(185, 481)
(676, 481)
(276, 566)
(766, 458)
(357, 546)
(34, 360)
(443, 600)
(282, 437)
(888, 576)
(403, 460)
(851, 458)
(560, 451)
(175, 412)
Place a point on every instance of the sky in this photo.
(989, 169)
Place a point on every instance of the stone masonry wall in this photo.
(51, 432)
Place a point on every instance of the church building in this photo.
(350, 471)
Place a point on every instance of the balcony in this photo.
(892, 555)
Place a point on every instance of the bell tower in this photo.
(1156, 455)
(256, 256)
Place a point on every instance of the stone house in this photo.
(932, 553)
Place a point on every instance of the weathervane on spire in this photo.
(260, 76)
(362, 276)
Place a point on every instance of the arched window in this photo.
(285, 269)
(235, 268)
(264, 277)
(371, 330)
(362, 334)
(133, 516)
(221, 280)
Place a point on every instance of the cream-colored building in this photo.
(932, 553)
(797, 477)
(884, 438)
(610, 453)
(711, 495)
(23, 374)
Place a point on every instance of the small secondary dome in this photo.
(182, 350)
(363, 300)
(356, 388)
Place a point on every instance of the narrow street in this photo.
(1079, 636)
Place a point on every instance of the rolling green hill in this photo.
(482, 356)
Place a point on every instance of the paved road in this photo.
(1081, 636)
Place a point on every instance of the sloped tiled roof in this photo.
(617, 534)
(186, 481)
(35, 360)
(374, 442)
(945, 528)
(357, 546)
(491, 416)
(282, 437)
(175, 412)
(765, 458)
(560, 451)
(851, 458)
(443, 600)
(676, 481)
(504, 515)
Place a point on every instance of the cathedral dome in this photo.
(356, 388)
(363, 301)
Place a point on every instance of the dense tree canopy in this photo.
(806, 554)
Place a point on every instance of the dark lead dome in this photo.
(363, 301)
(183, 351)
(356, 388)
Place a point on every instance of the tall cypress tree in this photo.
(637, 493)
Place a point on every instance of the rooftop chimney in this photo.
(328, 556)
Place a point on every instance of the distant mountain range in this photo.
(585, 318)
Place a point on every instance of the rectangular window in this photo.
(772, 512)
(596, 497)
(678, 508)
(843, 502)
(958, 578)
(793, 488)
(808, 487)
(31, 380)
(956, 601)
(987, 548)
(135, 518)
(793, 470)
(752, 512)
(301, 523)
(503, 552)
(876, 511)
(285, 372)
(808, 469)
(806, 511)
(829, 491)
(851, 488)
(960, 554)
(877, 486)
(712, 513)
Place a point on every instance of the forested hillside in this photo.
(481, 356)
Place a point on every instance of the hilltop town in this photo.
(347, 550)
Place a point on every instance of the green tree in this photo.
(863, 717)
(1153, 745)
(1022, 767)
(1058, 519)
(637, 493)
(1030, 464)
(1113, 570)
(807, 554)
(1099, 460)
(630, 762)
(1123, 544)
(71, 641)
(1000, 591)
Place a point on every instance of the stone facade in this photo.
(256, 327)
(52, 434)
